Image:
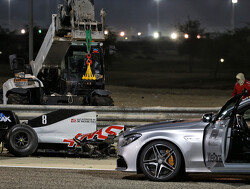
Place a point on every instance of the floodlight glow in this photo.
(126, 38)
(106, 32)
(198, 36)
(23, 31)
(122, 34)
(174, 36)
(186, 36)
(222, 60)
(139, 33)
(234, 1)
(156, 35)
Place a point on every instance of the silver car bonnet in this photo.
(167, 126)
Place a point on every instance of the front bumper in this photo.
(127, 155)
(121, 164)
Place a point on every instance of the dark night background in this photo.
(215, 15)
(145, 62)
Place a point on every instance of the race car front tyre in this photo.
(21, 140)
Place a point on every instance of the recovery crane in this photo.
(69, 67)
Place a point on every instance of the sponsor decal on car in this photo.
(101, 134)
(213, 157)
(4, 118)
(83, 120)
(73, 120)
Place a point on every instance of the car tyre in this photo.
(161, 161)
(14, 98)
(21, 140)
(102, 101)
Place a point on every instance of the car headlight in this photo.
(130, 138)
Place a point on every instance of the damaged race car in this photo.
(61, 131)
(218, 143)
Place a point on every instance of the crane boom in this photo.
(69, 25)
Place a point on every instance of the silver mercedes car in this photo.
(218, 143)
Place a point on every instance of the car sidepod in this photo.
(57, 129)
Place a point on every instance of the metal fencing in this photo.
(113, 115)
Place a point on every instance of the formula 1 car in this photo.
(54, 132)
(218, 143)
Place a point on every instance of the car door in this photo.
(217, 135)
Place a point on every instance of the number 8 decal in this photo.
(44, 119)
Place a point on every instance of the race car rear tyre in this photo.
(21, 140)
(161, 161)
(15, 98)
(102, 101)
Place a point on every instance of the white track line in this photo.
(36, 167)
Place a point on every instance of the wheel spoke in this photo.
(156, 152)
(168, 153)
(151, 167)
(21, 140)
(158, 171)
(149, 161)
(151, 164)
(169, 167)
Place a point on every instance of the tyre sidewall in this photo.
(27, 149)
(14, 98)
(178, 156)
(102, 101)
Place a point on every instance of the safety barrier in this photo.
(111, 115)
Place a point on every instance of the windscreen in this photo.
(227, 111)
(77, 62)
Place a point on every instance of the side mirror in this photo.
(207, 117)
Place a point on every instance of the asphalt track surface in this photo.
(71, 178)
(53, 171)
(74, 172)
